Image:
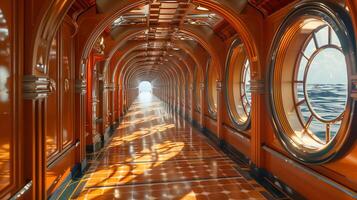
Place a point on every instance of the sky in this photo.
(329, 65)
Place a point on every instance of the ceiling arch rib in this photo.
(156, 69)
(163, 76)
(129, 69)
(190, 49)
(177, 74)
(135, 65)
(131, 57)
(139, 76)
(172, 74)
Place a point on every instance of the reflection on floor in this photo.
(154, 155)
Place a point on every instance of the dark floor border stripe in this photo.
(63, 188)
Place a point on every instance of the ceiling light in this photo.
(176, 49)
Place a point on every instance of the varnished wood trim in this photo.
(36, 87)
(243, 136)
(257, 86)
(60, 156)
(210, 117)
(81, 86)
(22, 191)
(109, 86)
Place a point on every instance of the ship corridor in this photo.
(178, 99)
(157, 155)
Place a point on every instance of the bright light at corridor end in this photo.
(145, 87)
(145, 91)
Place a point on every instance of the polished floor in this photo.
(155, 155)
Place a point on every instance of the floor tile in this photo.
(155, 155)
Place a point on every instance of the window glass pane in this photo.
(327, 83)
(322, 36)
(310, 48)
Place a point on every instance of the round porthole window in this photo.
(312, 58)
(238, 94)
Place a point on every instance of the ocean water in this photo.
(328, 101)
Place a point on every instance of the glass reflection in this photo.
(4, 91)
(6, 112)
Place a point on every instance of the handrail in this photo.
(22, 191)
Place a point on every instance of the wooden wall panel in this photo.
(67, 84)
(52, 112)
(237, 140)
(89, 123)
(11, 165)
(58, 172)
(60, 110)
(94, 98)
(310, 186)
(211, 124)
(196, 116)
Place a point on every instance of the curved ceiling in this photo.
(157, 27)
(162, 37)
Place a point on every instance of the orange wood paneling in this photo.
(53, 110)
(60, 110)
(211, 124)
(339, 170)
(309, 186)
(238, 140)
(58, 172)
(67, 85)
(94, 97)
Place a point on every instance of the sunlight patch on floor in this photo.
(120, 174)
(189, 196)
